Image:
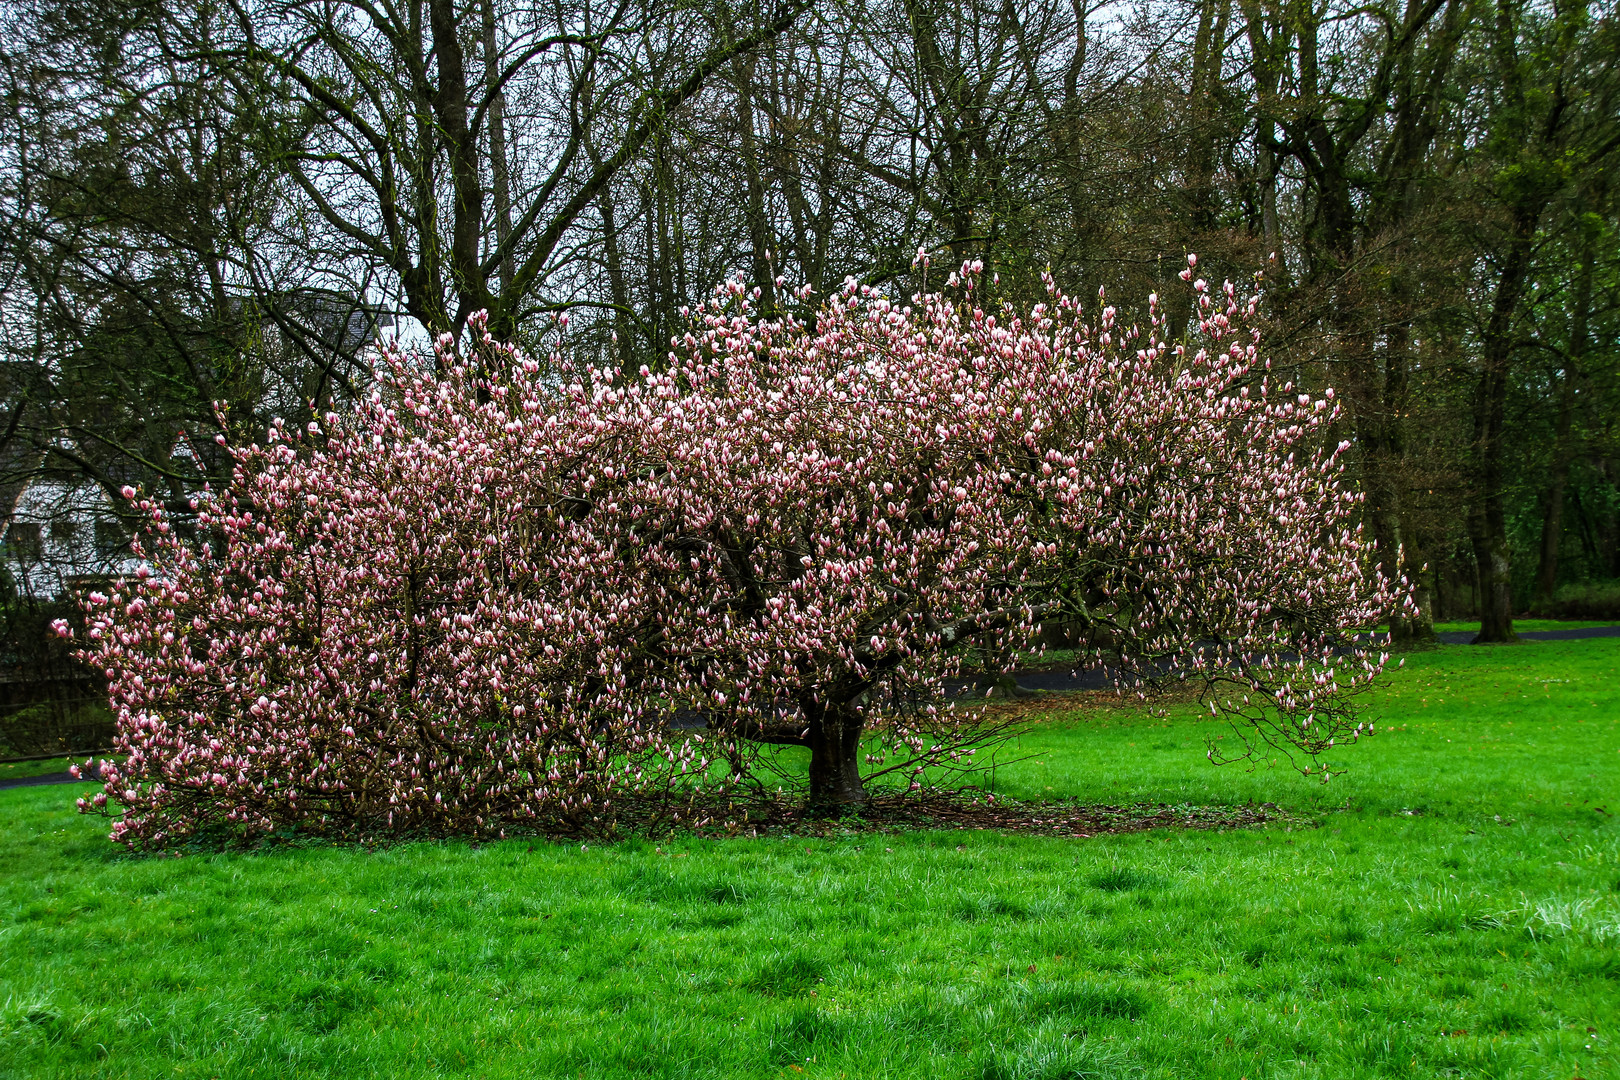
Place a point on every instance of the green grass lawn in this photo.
(1449, 907)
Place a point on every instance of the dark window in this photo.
(110, 539)
(24, 541)
(64, 532)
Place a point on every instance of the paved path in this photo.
(1464, 637)
(1093, 679)
(50, 778)
(1098, 678)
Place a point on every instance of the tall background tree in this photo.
(223, 202)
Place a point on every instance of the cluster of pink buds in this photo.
(507, 593)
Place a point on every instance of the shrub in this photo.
(1584, 600)
(499, 595)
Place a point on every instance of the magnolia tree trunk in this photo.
(835, 759)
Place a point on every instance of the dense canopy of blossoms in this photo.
(506, 595)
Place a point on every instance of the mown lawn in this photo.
(1449, 907)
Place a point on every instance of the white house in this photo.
(62, 532)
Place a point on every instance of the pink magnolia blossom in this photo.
(508, 593)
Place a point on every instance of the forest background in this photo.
(226, 201)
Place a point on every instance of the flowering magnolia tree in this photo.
(500, 596)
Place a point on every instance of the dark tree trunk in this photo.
(759, 227)
(835, 759)
(1413, 630)
(497, 158)
(1406, 631)
(1416, 631)
(1541, 138)
(1552, 524)
(1487, 513)
(618, 287)
(1209, 46)
(1487, 530)
(450, 109)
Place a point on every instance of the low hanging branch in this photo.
(496, 599)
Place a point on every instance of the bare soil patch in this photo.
(947, 809)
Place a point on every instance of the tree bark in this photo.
(835, 759)
(1417, 102)
(1406, 630)
(759, 228)
(1487, 531)
(1552, 523)
(1487, 514)
(1208, 48)
(1266, 48)
(618, 288)
(497, 147)
(450, 104)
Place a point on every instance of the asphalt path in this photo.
(1052, 680)
(1465, 637)
(52, 778)
(1099, 678)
